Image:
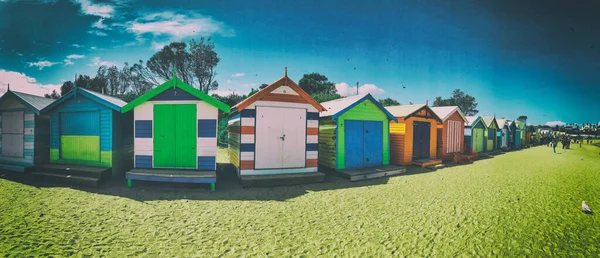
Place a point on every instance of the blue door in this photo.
(353, 144)
(373, 132)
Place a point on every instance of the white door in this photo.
(12, 134)
(280, 138)
(294, 144)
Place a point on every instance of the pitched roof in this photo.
(502, 123)
(36, 102)
(409, 110)
(445, 112)
(283, 81)
(520, 124)
(472, 120)
(174, 82)
(488, 120)
(108, 101)
(336, 108)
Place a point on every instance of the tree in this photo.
(389, 102)
(465, 102)
(170, 57)
(323, 97)
(262, 86)
(204, 61)
(66, 87)
(53, 95)
(83, 81)
(253, 91)
(100, 81)
(522, 119)
(315, 83)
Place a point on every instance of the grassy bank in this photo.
(526, 202)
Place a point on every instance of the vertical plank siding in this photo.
(452, 138)
(401, 139)
(327, 143)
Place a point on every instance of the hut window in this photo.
(490, 134)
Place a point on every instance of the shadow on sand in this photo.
(228, 187)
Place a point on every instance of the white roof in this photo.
(445, 112)
(402, 111)
(471, 120)
(334, 106)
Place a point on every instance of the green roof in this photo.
(176, 83)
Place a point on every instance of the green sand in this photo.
(520, 203)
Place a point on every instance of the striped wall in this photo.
(28, 128)
(242, 137)
(206, 131)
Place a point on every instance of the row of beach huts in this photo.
(280, 135)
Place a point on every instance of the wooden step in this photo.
(13, 168)
(68, 179)
(282, 179)
(76, 170)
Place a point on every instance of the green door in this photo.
(185, 136)
(175, 135)
(478, 139)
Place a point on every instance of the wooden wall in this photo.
(451, 135)
(401, 139)
(327, 143)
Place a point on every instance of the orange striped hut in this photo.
(274, 133)
(413, 139)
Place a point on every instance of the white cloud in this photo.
(98, 33)
(555, 123)
(75, 56)
(228, 81)
(68, 62)
(345, 90)
(93, 48)
(227, 92)
(100, 25)
(245, 85)
(19, 54)
(95, 9)
(96, 61)
(41, 64)
(238, 74)
(158, 46)
(23, 83)
(176, 26)
(77, 45)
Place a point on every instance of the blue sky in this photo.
(534, 58)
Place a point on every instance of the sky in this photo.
(535, 58)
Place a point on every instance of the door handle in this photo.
(282, 137)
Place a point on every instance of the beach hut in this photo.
(516, 134)
(413, 139)
(450, 133)
(89, 137)
(490, 133)
(273, 136)
(475, 134)
(24, 137)
(503, 133)
(354, 138)
(175, 129)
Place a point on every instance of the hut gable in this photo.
(490, 122)
(407, 111)
(283, 90)
(449, 112)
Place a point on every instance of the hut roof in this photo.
(176, 83)
(407, 111)
(36, 102)
(472, 120)
(488, 120)
(336, 108)
(111, 102)
(445, 112)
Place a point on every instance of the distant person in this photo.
(554, 143)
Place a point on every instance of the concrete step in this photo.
(13, 168)
(68, 179)
(282, 179)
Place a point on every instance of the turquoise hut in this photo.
(475, 134)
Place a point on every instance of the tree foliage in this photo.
(324, 97)
(464, 101)
(315, 83)
(53, 95)
(195, 64)
(389, 102)
(66, 87)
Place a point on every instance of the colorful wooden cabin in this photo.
(451, 133)
(503, 133)
(175, 128)
(475, 134)
(413, 139)
(516, 134)
(273, 136)
(354, 137)
(88, 135)
(24, 134)
(490, 134)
